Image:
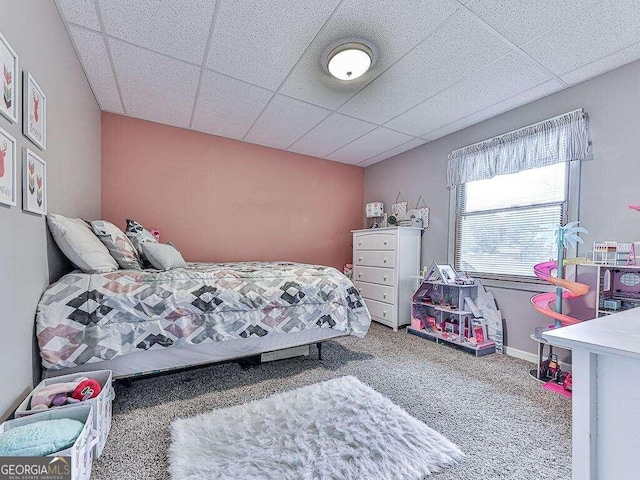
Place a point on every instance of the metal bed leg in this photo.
(319, 345)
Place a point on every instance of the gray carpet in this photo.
(490, 407)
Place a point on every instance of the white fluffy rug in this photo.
(339, 429)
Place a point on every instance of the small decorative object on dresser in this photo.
(386, 263)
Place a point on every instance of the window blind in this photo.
(499, 221)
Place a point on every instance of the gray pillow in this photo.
(118, 244)
(139, 235)
(80, 245)
(163, 256)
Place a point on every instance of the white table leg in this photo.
(585, 427)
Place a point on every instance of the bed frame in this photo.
(162, 361)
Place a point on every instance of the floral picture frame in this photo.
(9, 78)
(34, 188)
(34, 112)
(8, 169)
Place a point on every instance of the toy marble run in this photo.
(542, 301)
(565, 289)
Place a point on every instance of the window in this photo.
(498, 221)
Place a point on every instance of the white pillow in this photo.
(80, 245)
(163, 256)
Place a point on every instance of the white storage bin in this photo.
(101, 404)
(81, 452)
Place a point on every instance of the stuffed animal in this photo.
(58, 394)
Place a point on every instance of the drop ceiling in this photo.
(251, 69)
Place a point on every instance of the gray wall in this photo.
(28, 259)
(610, 181)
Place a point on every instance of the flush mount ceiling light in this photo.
(349, 60)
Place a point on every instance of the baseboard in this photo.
(521, 354)
(12, 408)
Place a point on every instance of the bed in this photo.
(137, 322)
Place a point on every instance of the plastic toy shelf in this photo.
(478, 350)
(444, 309)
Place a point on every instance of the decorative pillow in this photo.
(78, 242)
(139, 235)
(118, 244)
(163, 256)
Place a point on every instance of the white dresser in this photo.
(386, 264)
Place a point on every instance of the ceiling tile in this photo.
(246, 45)
(611, 26)
(92, 51)
(81, 12)
(393, 31)
(615, 60)
(461, 47)
(284, 121)
(525, 19)
(228, 107)
(176, 28)
(416, 142)
(141, 69)
(373, 143)
(540, 91)
(153, 86)
(332, 133)
(159, 107)
(505, 78)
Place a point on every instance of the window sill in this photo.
(533, 286)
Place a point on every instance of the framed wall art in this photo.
(34, 123)
(8, 173)
(9, 66)
(34, 188)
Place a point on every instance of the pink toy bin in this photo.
(101, 404)
(81, 451)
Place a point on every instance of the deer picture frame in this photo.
(34, 112)
(8, 169)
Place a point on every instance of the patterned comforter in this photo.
(85, 318)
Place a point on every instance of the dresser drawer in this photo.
(372, 258)
(383, 311)
(382, 276)
(374, 241)
(372, 291)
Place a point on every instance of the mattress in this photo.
(85, 319)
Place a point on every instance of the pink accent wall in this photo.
(221, 200)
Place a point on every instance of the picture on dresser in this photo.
(10, 72)
(34, 112)
(8, 174)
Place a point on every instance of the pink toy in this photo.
(59, 394)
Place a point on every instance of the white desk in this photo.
(606, 395)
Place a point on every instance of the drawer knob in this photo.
(384, 278)
(359, 259)
(384, 314)
(359, 244)
(384, 260)
(359, 275)
(384, 295)
(384, 243)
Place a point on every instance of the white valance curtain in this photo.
(560, 139)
